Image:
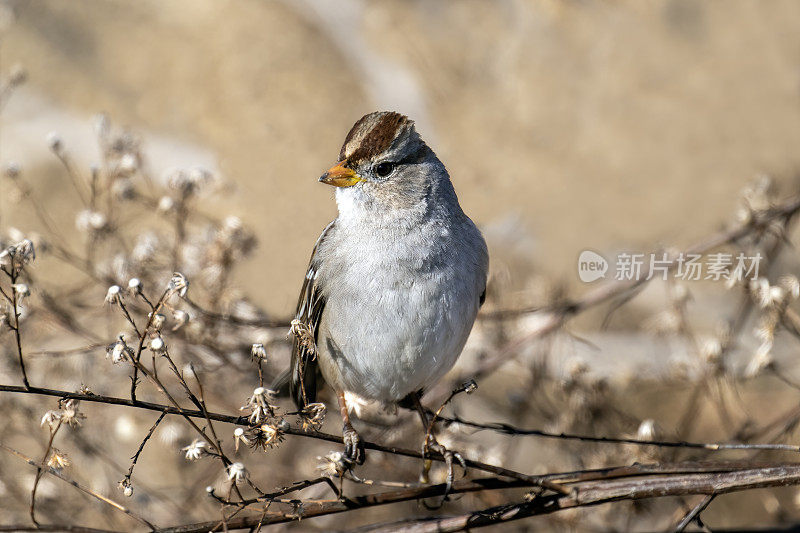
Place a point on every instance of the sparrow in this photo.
(394, 282)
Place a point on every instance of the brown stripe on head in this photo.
(373, 134)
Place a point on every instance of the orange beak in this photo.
(340, 176)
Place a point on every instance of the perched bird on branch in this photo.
(394, 282)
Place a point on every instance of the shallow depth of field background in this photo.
(583, 124)
(565, 125)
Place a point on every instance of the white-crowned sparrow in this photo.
(395, 282)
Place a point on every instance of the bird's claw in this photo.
(432, 445)
(353, 445)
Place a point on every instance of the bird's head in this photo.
(384, 164)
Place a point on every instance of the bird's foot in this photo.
(353, 445)
(432, 445)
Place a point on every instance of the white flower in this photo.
(195, 450)
(236, 472)
(113, 295)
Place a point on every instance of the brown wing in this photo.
(303, 377)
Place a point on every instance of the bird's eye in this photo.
(384, 169)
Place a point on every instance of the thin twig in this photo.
(59, 475)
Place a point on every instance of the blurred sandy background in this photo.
(579, 123)
(565, 125)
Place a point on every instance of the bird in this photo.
(394, 282)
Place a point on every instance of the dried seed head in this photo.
(51, 418)
(58, 460)
(165, 204)
(54, 142)
(126, 487)
(241, 437)
(12, 170)
(765, 331)
(236, 472)
(128, 163)
(760, 290)
(761, 360)
(19, 254)
(469, 386)
(22, 290)
(17, 76)
(134, 286)
(181, 318)
(776, 295)
(118, 351)
(88, 220)
(157, 345)
(158, 321)
(195, 450)
(711, 349)
(304, 336)
(267, 435)
(791, 284)
(113, 295)
(258, 352)
(145, 247)
(178, 284)
(313, 415)
(260, 405)
(333, 464)
(71, 415)
(123, 189)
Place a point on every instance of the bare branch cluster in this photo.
(155, 364)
